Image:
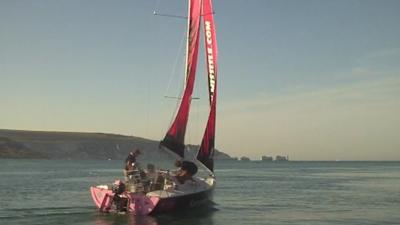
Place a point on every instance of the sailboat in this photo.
(163, 194)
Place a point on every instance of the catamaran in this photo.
(160, 192)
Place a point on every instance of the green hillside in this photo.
(74, 145)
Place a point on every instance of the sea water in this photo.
(53, 192)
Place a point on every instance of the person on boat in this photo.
(130, 163)
(150, 173)
(150, 178)
(178, 165)
(119, 199)
(187, 171)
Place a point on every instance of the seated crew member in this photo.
(120, 200)
(186, 172)
(178, 165)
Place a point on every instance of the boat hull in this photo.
(137, 204)
(154, 202)
(187, 201)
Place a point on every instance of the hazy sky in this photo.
(312, 79)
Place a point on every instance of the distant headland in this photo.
(264, 158)
(73, 145)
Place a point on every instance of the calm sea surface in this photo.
(57, 192)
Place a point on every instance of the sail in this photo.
(175, 137)
(206, 151)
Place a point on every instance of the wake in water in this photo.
(89, 215)
(13, 213)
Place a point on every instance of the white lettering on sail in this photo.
(208, 32)
(210, 56)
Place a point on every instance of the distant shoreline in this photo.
(21, 144)
(65, 145)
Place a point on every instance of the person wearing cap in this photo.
(186, 172)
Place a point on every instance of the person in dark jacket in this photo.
(186, 172)
(130, 163)
(120, 200)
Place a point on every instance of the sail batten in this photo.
(206, 151)
(175, 137)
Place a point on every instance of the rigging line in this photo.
(179, 98)
(173, 75)
(169, 15)
(209, 13)
(191, 130)
(197, 127)
(173, 72)
(157, 5)
(156, 12)
(177, 57)
(148, 103)
(177, 16)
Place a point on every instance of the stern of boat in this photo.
(138, 204)
(102, 197)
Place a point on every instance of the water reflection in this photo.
(113, 219)
(198, 216)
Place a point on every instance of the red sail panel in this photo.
(175, 137)
(206, 151)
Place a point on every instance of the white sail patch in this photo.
(210, 58)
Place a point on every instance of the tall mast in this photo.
(187, 45)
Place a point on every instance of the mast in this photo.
(187, 43)
(175, 136)
(206, 151)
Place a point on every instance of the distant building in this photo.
(266, 158)
(281, 158)
(244, 158)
